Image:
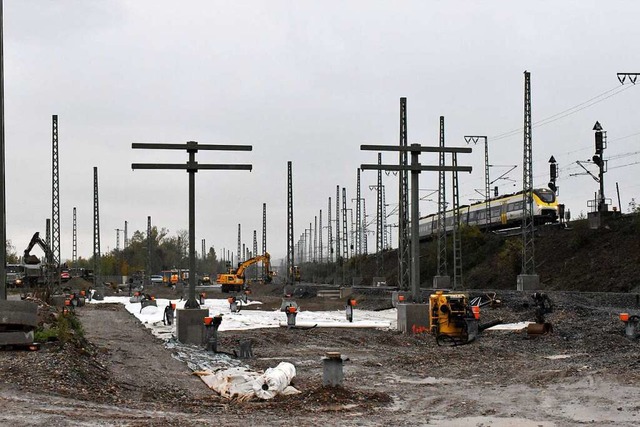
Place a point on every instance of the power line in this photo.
(569, 111)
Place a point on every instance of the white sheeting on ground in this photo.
(243, 384)
(509, 326)
(151, 316)
(216, 370)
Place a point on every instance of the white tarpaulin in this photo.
(242, 384)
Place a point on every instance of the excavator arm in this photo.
(32, 259)
(266, 258)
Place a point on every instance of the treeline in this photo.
(167, 252)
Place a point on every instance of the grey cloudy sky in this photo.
(306, 81)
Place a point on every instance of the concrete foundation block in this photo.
(17, 314)
(413, 318)
(16, 338)
(332, 373)
(190, 325)
(528, 282)
(441, 282)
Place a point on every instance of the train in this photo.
(506, 212)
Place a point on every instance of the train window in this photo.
(495, 212)
(480, 215)
(511, 207)
(546, 195)
(472, 216)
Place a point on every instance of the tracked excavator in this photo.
(234, 281)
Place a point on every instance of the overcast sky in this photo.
(306, 81)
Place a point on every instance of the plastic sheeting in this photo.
(243, 384)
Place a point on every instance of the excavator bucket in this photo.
(31, 259)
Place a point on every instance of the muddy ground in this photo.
(585, 372)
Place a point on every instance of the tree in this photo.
(11, 255)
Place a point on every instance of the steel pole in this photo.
(3, 208)
(415, 218)
(191, 302)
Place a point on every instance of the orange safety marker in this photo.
(476, 311)
(292, 309)
(173, 305)
(208, 320)
(624, 317)
(400, 298)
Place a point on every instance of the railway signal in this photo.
(553, 174)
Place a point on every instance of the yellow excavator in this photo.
(234, 281)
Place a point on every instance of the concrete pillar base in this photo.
(441, 282)
(413, 318)
(332, 374)
(190, 325)
(528, 282)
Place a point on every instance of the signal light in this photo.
(599, 143)
(597, 160)
(552, 186)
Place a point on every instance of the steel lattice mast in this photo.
(255, 251)
(487, 183)
(345, 230)
(240, 251)
(364, 227)
(338, 242)
(126, 235)
(96, 233)
(204, 250)
(55, 193)
(265, 273)
(528, 258)
(457, 238)
(315, 238)
(358, 218)
(330, 234)
(404, 242)
(290, 244)
(149, 247)
(320, 256)
(379, 212)
(74, 252)
(442, 207)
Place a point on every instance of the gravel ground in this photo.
(586, 371)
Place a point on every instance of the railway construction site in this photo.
(123, 367)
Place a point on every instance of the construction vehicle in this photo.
(34, 269)
(15, 275)
(234, 281)
(451, 320)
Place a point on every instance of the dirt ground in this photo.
(585, 372)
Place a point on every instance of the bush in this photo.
(66, 329)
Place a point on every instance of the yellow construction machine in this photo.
(234, 281)
(452, 321)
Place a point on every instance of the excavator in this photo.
(234, 281)
(34, 274)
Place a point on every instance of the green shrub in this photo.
(66, 329)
